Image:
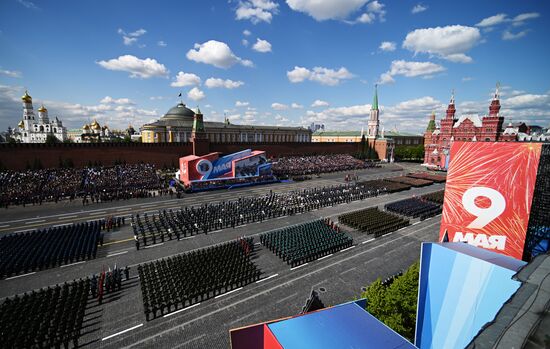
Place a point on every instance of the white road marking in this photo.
(68, 265)
(121, 332)
(4, 226)
(38, 221)
(267, 278)
(303, 265)
(179, 311)
(349, 248)
(20, 276)
(225, 294)
(388, 234)
(369, 240)
(416, 223)
(324, 257)
(116, 254)
(155, 245)
(72, 216)
(94, 213)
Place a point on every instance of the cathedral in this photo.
(32, 130)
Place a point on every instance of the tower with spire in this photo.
(374, 122)
(33, 130)
(492, 123)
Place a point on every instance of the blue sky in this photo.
(268, 61)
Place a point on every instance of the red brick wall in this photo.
(19, 156)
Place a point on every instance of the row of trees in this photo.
(413, 152)
(395, 304)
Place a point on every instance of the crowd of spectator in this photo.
(316, 164)
(91, 184)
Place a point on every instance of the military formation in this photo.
(183, 280)
(47, 248)
(49, 318)
(176, 224)
(414, 207)
(373, 221)
(306, 242)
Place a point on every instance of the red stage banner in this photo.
(488, 194)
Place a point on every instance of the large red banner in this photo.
(488, 194)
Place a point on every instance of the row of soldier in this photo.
(168, 225)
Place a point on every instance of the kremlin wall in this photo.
(19, 156)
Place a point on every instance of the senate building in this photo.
(177, 124)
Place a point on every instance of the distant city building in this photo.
(383, 142)
(92, 133)
(316, 127)
(33, 130)
(177, 124)
(472, 128)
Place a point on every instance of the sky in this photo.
(274, 62)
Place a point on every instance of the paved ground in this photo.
(119, 322)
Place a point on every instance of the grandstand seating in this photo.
(428, 176)
(192, 277)
(414, 182)
(48, 318)
(436, 198)
(385, 185)
(414, 207)
(47, 248)
(373, 221)
(306, 242)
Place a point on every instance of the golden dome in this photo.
(42, 109)
(21, 124)
(95, 125)
(26, 97)
(86, 127)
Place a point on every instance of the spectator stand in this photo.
(306, 242)
(413, 182)
(189, 278)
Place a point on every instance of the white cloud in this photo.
(521, 18)
(319, 103)
(410, 69)
(131, 38)
(162, 43)
(185, 79)
(229, 84)
(450, 42)
(526, 101)
(508, 35)
(244, 42)
(366, 18)
(279, 106)
(256, 11)
(28, 4)
(419, 8)
(324, 76)
(327, 9)
(296, 106)
(117, 113)
(111, 100)
(262, 46)
(11, 73)
(467, 78)
(241, 104)
(387, 46)
(196, 94)
(247, 32)
(138, 68)
(216, 53)
(493, 20)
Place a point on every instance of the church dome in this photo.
(95, 125)
(21, 124)
(26, 97)
(86, 127)
(42, 109)
(179, 112)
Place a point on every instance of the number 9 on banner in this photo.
(484, 216)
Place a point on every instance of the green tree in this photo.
(51, 139)
(395, 305)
